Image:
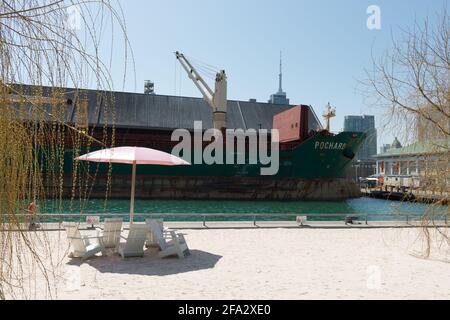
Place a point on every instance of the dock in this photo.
(409, 195)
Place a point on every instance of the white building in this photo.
(421, 166)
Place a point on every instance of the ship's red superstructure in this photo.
(292, 124)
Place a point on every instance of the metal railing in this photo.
(245, 217)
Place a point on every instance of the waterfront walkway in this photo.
(210, 225)
(252, 221)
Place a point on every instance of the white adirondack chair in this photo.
(134, 246)
(111, 233)
(82, 246)
(152, 241)
(169, 242)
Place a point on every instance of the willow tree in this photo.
(411, 82)
(45, 47)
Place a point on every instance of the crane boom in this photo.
(217, 99)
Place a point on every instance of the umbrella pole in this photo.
(133, 186)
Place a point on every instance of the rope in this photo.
(206, 65)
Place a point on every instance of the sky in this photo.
(326, 47)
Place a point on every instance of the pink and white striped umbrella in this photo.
(134, 156)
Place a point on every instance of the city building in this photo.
(364, 123)
(385, 147)
(279, 97)
(395, 144)
(422, 167)
(364, 164)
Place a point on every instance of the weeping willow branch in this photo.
(53, 44)
(411, 82)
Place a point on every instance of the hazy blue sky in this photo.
(326, 46)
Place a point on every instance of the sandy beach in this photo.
(259, 264)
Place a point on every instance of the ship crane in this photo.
(329, 113)
(217, 99)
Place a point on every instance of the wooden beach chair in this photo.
(134, 245)
(152, 241)
(83, 247)
(111, 233)
(170, 242)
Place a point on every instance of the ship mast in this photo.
(329, 113)
(217, 99)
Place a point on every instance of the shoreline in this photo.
(250, 225)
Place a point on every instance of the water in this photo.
(274, 210)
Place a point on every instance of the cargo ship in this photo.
(312, 160)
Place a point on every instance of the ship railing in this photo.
(301, 218)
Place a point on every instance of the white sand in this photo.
(266, 264)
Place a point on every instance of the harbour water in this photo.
(274, 210)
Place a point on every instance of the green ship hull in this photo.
(313, 170)
(321, 156)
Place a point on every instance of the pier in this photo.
(399, 194)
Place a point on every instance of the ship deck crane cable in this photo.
(204, 64)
